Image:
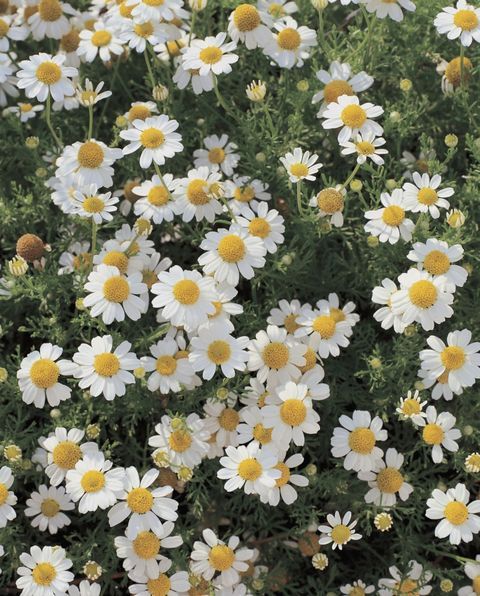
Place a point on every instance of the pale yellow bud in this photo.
(256, 91)
(18, 266)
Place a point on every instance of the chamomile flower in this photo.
(339, 80)
(356, 440)
(156, 10)
(141, 110)
(386, 480)
(383, 295)
(145, 505)
(91, 204)
(459, 521)
(85, 588)
(152, 266)
(290, 45)
(8, 82)
(272, 12)
(10, 31)
(423, 299)
(283, 489)
(286, 315)
(169, 371)
(472, 571)
(99, 41)
(156, 138)
(264, 224)
(138, 35)
(245, 194)
(174, 584)
(93, 483)
(293, 417)
(39, 373)
(103, 370)
(366, 146)
(215, 558)
(224, 307)
(44, 571)
(47, 506)
(156, 202)
(438, 258)
(43, 74)
(185, 298)
(117, 254)
(424, 194)
(300, 165)
(339, 531)
(352, 118)
(326, 334)
(387, 8)
(245, 25)
(212, 55)
(344, 314)
(413, 579)
(197, 195)
(7, 497)
(357, 587)
(219, 154)
(462, 21)
(24, 111)
(222, 420)
(411, 407)
(438, 431)
(200, 83)
(330, 202)
(88, 96)
(390, 223)
(231, 253)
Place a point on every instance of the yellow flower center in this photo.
(159, 586)
(146, 545)
(25, 107)
(166, 365)
(310, 360)
(433, 434)
(138, 112)
(293, 412)
(152, 138)
(106, 364)
(158, 196)
(197, 192)
(219, 351)
(244, 195)
(300, 170)
(90, 155)
(423, 293)
(211, 55)
(290, 323)
(393, 215)
(410, 407)
(341, 534)
(50, 10)
(476, 584)
(453, 357)
(467, 20)
(117, 259)
(44, 373)
(50, 507)
(250, 469)
(93, 481)
(453, 72)
(44, 574)
(93, 205)
(116, 289)
(325, 325)
(218, 309)
(389, 480)
(4, 27)
(3, 494)
(66, 454)
(333, 90)
(427, 196)
(261, 434)
(246, 17)
(101, 38)
(259, 227)
(330, 200)
(186, 292)
(436, 262)
(353, 116)
(289, 39)
(357, 591)
(180, 440)
(285, 474)
(231, 248)
(361, 440)
(48, 73)
(275, 355)
(456, 513)
(365, 148)
(140, 500)
(216, 155)
(221, 557)
(229, 419)
(144, 29)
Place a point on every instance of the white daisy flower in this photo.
(119, 254)
(439, 386)
(146, 10)
(143, 504)
(47, 506)
(422, 299)
(389, 222)
(217, 558)
(170, 371)
(99, 41)
(316, 390)
(85, 588)
(358, 587)
(462, 21)
(63, 451)
(198, 194)
(76, 259)
(152, 266)
(24, 111)
(290, 46)
(88, 96)
(184, 442)
(293, 417)
(276, 356)
(385, 481)
(387, 8)
(91, 204)
(103, 370)
(140, 110)
(89, 163)
(264, 224)
(330, 203)
(137, 243)
(458, 517)
(10, 30)
(50, 20)
(211, 55)
(356, 440)
(113, 295)
(283, 489)
(412, 579)
(39, 374)
(352, 118)
(137, 35)
(346, 313)
(438, 432)
(219, 154)
(472, 571)
(175, 584)
(252, 430)
(44, 571)
(93, 483)
(224, 308)
(156, 202)
(326, 334)
(7, 497)
(286, 315)
(383, 295)
(184, 76)
(245, 25)
(222, 420)
(245, 194)
(301, 165)
(185, 297)
(411, 407)
(339, 530)
(274, 11)
(366, 146)
(156, 137)
(8, 82)
(424, 196)
(231, 253)
(437, 257)
(43, 74)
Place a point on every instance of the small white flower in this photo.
(352, 118)
(219, 154)
(44, 571)
(424, 195)
(366, 146)
(198, 194)
(283, 489)
(413, 577)
(411, 407)
(438, 432)
(178, 583)
(47, 506)
(301, 165)
(383, 295)
(339, 531)
(44, 74)
(7, 497)
(389, 222)
(156, 202)
(438, 258)
(170, 371)
(101, 41)
(290, 46)
(386, 8)
(210, 55)
(462, 22)
(264, 224)
(245, 25)
(91, 204)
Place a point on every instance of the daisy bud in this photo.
(200, 121)
(32, 142)
(256, 91)
(311, 470)
(18, 266)
(12, 453)
(375, 363)
(468, 268)
(160, 458)
(26, 464)
(185, 473)
(41, 172)
(303, 86)
(197, 5)
(121, 122)
(472, 463)
(455, 218)
(287, 260)
(442, 486)
(258, 584)
(3, 374)
(391, 184)
(160, 93)
(446, 585)
(261, 157)
(410, 331)
(395, 116)
(222, 393)
(373, 241)
(139, 373)
(451, 141)
(92, 570)
(468, 430)
(356, 185)
(383, 522)
(30, 247)
(320, 561)
(79, 304)
(405, 85)
(143, 227)
(92, 431)
(319, 4)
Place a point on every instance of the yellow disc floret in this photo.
(116, 289)
(289, 39)
(219, 351)
(293, 412)
(152, 138)
(433, 434)
(389, 480)
(231, 248)
(93, 481)
(106, 364)
(423, 293)
(330, 200)
(186, 292)
(66, 454)
(453, 357)
(334, 89)
(436, 262)
(361, 440)
(146, 545)
(48, 73)
(90, 155)
(275, 355)
(353, 116)
(140, 500)
(221, 557)
(456, 513)
(44, 373)
(250, 469)
(246, 17)
(166, 365)
(43, 574)
(393, 215)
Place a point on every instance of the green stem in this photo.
(219, 96)
(299, 198)
(149, 68)
(352, 176)
(462, 63)
(48, 118)
(321, 33)
(227, 207)
(192, 25)
(90, 122)
(159, 174)
(269, 119)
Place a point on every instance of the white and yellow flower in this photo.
(212, 55)
(264, 224)
(7, 497)
(290, 46)
(91, 204)
(424, 195)
(339, 531)
(352, 118)
(44, 571)
(438, 431)
(44, 74)
(197, 195)
(438, 258)
(301, 165)
(170, 370)
(390, 223)
(99, 41)
(219, 154)
(387, 8)
(459, 22)
(174, 584)
(47, 507)
(156, 201)
(366, 146)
